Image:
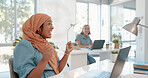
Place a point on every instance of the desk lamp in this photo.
(71, 25)
(132, 27)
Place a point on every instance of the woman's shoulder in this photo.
(24, 44)
(23, 48)
(79, 35)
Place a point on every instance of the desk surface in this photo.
(90, 71)
(84, 51)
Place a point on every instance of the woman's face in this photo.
(47, 29)
(86, 29)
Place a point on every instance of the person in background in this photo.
(34, 56)
(83, 40)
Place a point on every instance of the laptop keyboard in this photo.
(104, 74)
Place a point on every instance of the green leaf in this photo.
(116, 41)
(17, 39)
(14, 44)
(51, 43)
(114, 52)
(20, 37)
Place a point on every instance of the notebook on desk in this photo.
(118, 66)
(98, 44)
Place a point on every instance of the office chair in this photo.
(12, 73)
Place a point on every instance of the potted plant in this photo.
(119, 37)
(16, 41)
(116, 43)
(114, 55)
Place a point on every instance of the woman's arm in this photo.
(91, 44)
(39, 69)
(63, 61)
(81, 46)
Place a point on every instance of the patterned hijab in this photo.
(29, 33)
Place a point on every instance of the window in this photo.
(81, 16)
(11, 10)
(94, 21)
(6, 21)
(25, 8)
(120, 16)
(96, 16)
(105, 26)
(106, 20)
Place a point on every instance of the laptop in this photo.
(118, 66)
(98, 44)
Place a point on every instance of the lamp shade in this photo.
(132, 27)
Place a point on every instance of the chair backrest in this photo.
(12, 73)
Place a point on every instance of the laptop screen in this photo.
(98, 44)
(122, 56)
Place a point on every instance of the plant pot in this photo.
(114, 57)
(116, 46)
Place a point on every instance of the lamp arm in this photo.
(143, 25)
(71, 25)
(67, 32)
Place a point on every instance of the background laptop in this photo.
(119, 64)
(98, 44)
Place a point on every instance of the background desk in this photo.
(90, 71)
(78, 58)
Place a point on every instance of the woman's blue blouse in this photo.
(83, 40)
(26, 58)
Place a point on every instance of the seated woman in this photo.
(34, 56)
(83, 40)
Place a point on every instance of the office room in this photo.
(73, 39)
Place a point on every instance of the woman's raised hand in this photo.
(69, 47)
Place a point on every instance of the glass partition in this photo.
(122, 14)
(97, 16)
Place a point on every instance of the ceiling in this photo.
(130, 4)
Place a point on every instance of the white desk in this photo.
(96, 68)
(78, 58)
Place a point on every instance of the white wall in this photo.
(142, 38)
(62, 13)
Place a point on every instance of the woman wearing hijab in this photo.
(34, 56)
(83, 40)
